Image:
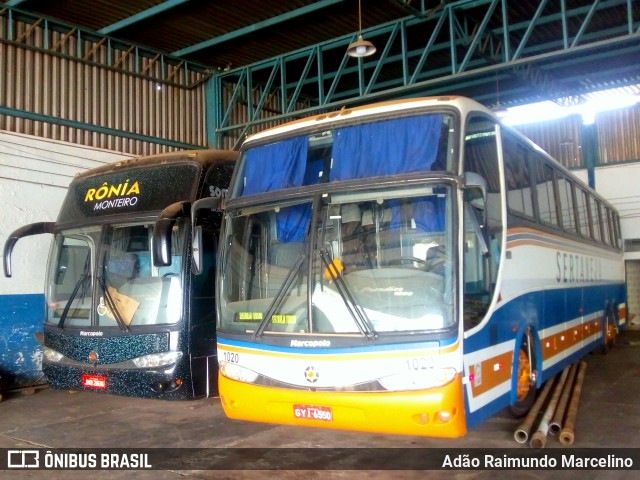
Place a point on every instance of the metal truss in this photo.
(97, 48)
(460, 44)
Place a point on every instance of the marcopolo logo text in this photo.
(310, 343)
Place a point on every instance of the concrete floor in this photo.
(609, 416)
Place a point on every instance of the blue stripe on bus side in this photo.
(541, 310)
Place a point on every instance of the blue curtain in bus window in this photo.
(293, 223)
(429, 214)
(394, 211)
(274, 166)
(388, 147)
(313, 170)
(426, 212)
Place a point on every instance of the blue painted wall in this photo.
(21, 316)
(34, 176)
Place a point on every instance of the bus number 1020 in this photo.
(230, 357)
(420, 363)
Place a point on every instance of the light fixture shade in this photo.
(361, 48)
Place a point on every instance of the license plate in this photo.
(313, 412)
(94, 381)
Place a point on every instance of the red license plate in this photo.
(313, 412)
(94, 381)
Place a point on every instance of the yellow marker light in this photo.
(421, 418)
(333, 270)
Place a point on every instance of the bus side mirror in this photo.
(27, 230)
(475, 189)
(209, 203)
(163, 229)
(162, 242)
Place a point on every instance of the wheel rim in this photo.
(524, 375)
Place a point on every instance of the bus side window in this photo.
(482, 219)
(517, 176)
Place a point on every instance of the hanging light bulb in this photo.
(361, 47)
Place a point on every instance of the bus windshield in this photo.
(369, 262)
(115, 261)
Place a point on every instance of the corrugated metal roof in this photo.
(191, 22)
(242, 32)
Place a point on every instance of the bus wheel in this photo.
(525, 380)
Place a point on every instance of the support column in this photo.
(211, 101)
(590, 151)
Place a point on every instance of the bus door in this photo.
(483, 223)
(205, 224)
(204, 367)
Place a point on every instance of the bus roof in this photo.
(463, 104)
(204, 157)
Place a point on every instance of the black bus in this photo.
(127, 311)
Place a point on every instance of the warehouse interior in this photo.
(84, 84)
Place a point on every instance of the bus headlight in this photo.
(236, 372)
(157, 359)
(52, 355)
(421, 380)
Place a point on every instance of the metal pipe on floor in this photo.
(539, 438)
(556, 422)
(567, 435)
(522, 432)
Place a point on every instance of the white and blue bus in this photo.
(409, 267)
(127, 312)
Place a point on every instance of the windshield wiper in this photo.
(358, 314)
(82, 283)
(280, 294)
(111, 305)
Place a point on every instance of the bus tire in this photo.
(525, 378)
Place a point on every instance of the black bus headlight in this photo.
(52, 355)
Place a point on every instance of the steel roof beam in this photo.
(269, 22)
(482, 50)
(418, 76)
(90, 127)
(140, 16)
(89, 42)
(418, 73)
